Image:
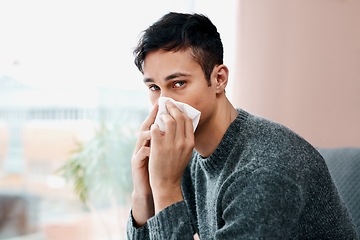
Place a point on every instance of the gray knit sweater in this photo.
(262, 182)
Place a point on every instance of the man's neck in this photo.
(208, 137)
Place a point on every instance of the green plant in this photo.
(100, 169)
(100, 166)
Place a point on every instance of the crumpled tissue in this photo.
(191, 112)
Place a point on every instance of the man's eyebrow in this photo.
(146, 80)
(176, 75)
(168, 78)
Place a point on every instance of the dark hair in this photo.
(179, 31)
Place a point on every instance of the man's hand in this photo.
(169, 155)
(142, 199)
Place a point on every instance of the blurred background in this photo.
(72, 101)
(71, 104)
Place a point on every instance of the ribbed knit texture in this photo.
(262, 182)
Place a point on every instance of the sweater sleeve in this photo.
(264, 205)
(172, 222)
(133, 232)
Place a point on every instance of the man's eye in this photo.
(179, 83)
(154, 88)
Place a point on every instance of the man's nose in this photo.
(165, 94)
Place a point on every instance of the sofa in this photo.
(344, 167)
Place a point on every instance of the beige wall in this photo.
(298, 63)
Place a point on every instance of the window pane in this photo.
(71, 99)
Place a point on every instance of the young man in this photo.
(238, 176)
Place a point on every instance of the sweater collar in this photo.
(216, 160)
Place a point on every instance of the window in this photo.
(69, 88)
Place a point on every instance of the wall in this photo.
(298, 63)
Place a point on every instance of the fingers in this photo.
(155, 134)
(189, 128)
(143, 140)
(181, 121)
(144, 135)
(150, 119)
(143, 153)
(170, 126)
(178, 129)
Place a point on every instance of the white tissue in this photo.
(191, 112)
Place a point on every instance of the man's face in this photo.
(178, 76)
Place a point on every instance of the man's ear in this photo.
(221, 78)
